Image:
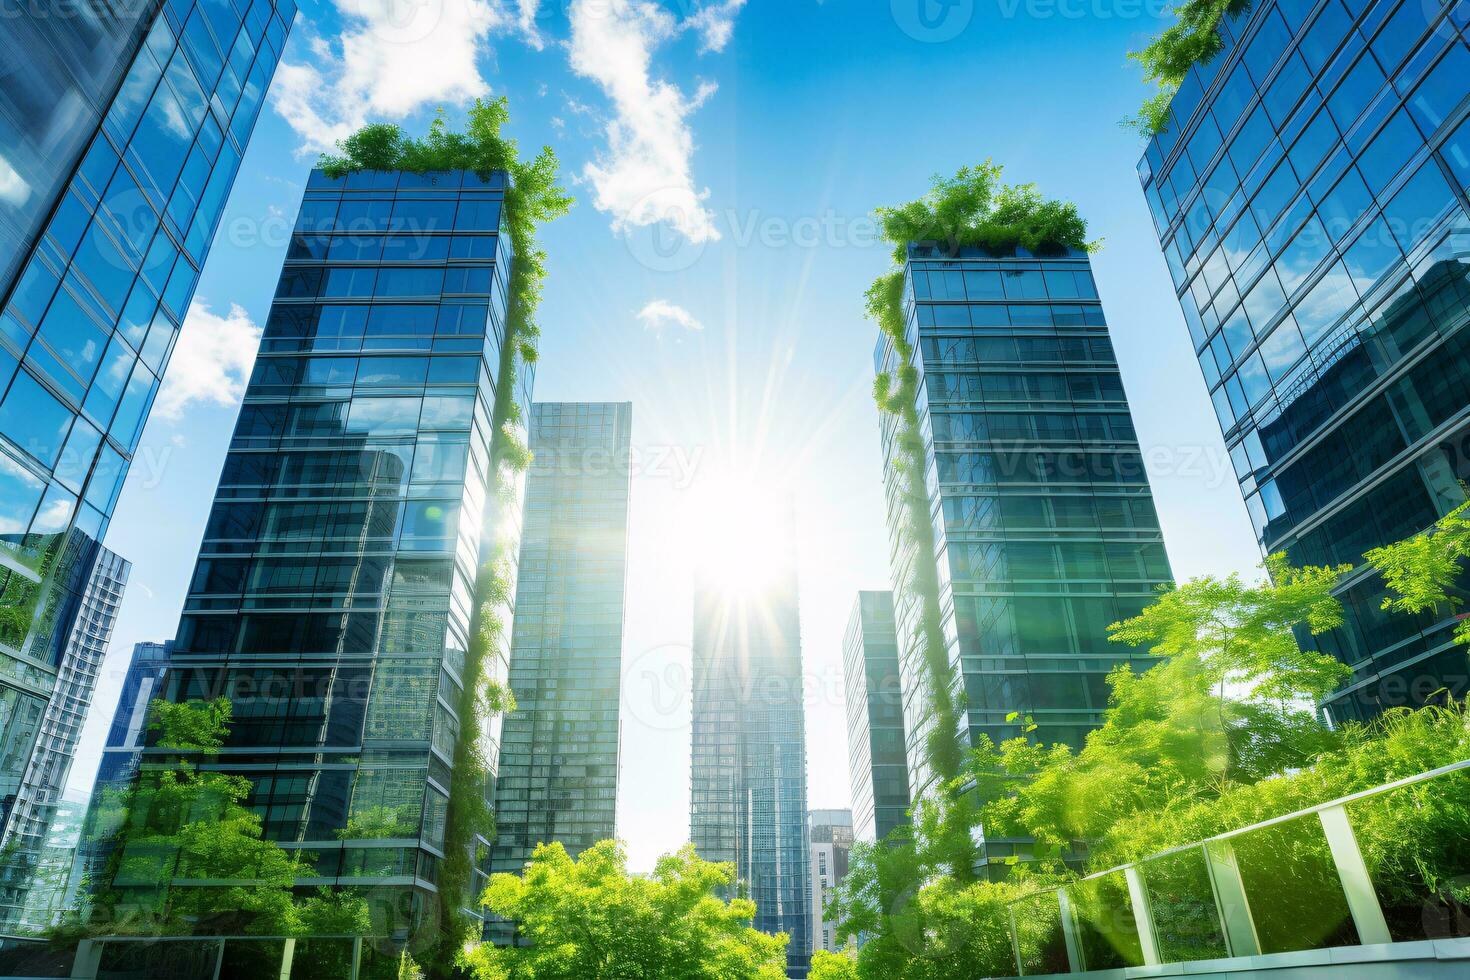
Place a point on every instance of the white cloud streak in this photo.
(211, 361)
(660, 314)
(645, 176)
(391, 58)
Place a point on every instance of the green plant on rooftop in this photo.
(972, 208)
(533, 196)
(1166, 60)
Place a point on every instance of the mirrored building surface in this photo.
(333, 594)
(1309, 193)
(1046, 531)
(558, 774)
(877, 757)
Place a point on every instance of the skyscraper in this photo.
(748, 780)
(332, 597)
(1309, 193)
(558, 775)
(29, 898)
(121, 753)
(877, 757)
(121, 128)
(1045, 525)
(831, 836)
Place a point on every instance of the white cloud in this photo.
(715, 24)
(645, 176)
(660, 314)
(211, 361)
(526, 11)
(391, 58)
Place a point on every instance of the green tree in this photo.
(188, 856)
(589, 919)
(1193, 39)
(1422, 572)
(833, 966)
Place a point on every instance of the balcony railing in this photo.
(1388, 865)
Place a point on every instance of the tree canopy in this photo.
(589, 919)
(1193, 39)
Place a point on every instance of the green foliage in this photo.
(589, 919)
(971, 208)
(533, 196)
(1166, 60)
(188, 856)
(381, 823)
(1422, 571)
(832, 966)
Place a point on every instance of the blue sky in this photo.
(726, 157)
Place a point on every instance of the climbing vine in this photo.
(1166, 60)
(970, 209)
(533, 195)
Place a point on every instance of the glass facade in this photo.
(1045, 529)
(121, 128)
(877, 758)
(31, 884)
(1310, 197)
(831, 836)
(558, 776)
(332, 597)
(748, 753)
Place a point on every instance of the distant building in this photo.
(1311, 194)
(558, 776)
(748, 785)
(831, 834)
(876, 756)
(30, 891)
(121, 752)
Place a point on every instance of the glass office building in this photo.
(558, 775)
(1045, 525)
(1310, 196)
(332, 597)
(121, 129)
(877, 758)
(31, 884)
(748, 753)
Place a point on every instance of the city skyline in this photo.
(688, 378)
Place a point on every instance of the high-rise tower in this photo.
(1309, 192)
(332, 597)
(1045, 525)
(121, 129)
(748, 785)
(877, 757)
(558, 775)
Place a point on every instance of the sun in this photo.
(739, 534)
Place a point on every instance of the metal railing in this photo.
(1390, 864)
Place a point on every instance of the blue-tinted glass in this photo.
(1456, 152)
(33, 419)
(1362, 83)
(1416, 209)
(415, 248)
(477, 215)
(1372, 254)
(363, 216)
(1310, 246)
(1436, 97)
(1390, 150)
(1341, 207)
(347, 282)
(1282, 349)
(1324, 36)
(1325, 303)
